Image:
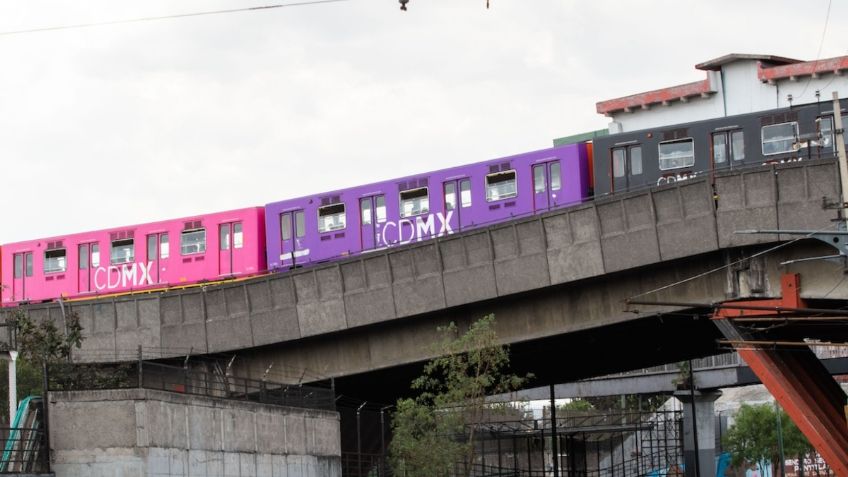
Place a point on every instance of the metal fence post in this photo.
(45, 404)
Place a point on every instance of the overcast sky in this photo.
(129, 123)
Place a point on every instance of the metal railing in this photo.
(25, 450)
(163, 377)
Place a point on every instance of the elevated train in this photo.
(333, 225)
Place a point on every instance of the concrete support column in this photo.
(13, 386)
(704, 428)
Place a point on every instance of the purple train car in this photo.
(335, 224)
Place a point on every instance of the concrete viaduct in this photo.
(556, 283)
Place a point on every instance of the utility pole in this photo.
(840, 153)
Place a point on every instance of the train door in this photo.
(22, 273)
(292, 232)
(372, 213)
(453, 214)
(457, 200)
(728, 149)
(158, 249)
(84, 268)
(230, 256)
(626, 166)
(547, 182)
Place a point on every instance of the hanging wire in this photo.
(166, 17)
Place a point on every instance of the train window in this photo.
(299, 224)
(365, 210)
(779, 138)
(450, 196)
(164, 250)
(54, 260)
(193, 242)
(123, 251)
(737, 145)
(238, 235)
(414, 202)
(380, 208)
(719, 148)
(83, 256)
(539, 178)
(224, 232)
(635, 160)
(19, 265)
(285, 226)
(500, 185)
(618, 162)
(465, 192)
(95, 255)
(151, 247)
(825, 129)
(331, 217)
(28, 260)
(676, 154)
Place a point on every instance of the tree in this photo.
(753, 437)
(38, 344)
(435, 431)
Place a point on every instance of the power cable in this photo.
(718, 269)
(165, 17)
(818, 54)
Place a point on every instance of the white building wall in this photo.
(803, 93)
(744, 92)
(695, 109)
(738, 91)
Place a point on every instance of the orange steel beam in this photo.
(796, 378)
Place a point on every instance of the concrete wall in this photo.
(559, 251)
(142, 432)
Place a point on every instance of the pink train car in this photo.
(160, 254)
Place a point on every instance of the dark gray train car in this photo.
(662, 155)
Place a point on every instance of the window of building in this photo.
(779, 138)
(123, 251)
(193, 241)
(618, 162)
(450, 196)
(737, 145)
(676, 154)
(635, 160)
(465, 192)
(331, 217)
(414, 202)
(500, 185)
(825, 126)
(719, 148)
(539, 179)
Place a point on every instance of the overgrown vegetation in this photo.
(38, 343)
(753, 438)
(434, 433)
